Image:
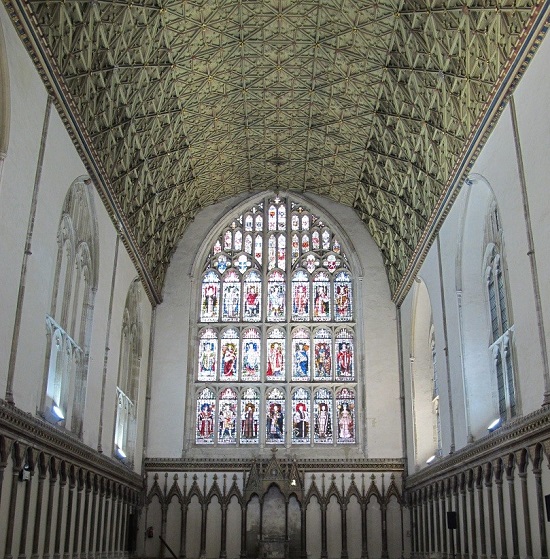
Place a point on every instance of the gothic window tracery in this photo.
(276, 339)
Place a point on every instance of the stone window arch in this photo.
(69, 322)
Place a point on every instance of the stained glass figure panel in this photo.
(250, 370)
(252, 297)
(321, 297)
(322, 351)
(275, 416)
(342, 297)
(243, 285)
(301, 403)
(345, 405)
(275, 370)
(210, 299)
(208, 351)
(227, 417)
(301, 355)
(276, 310)
(323, 416)
(250, 416)
(231, 297)
(229, 355)
(300, 296)
(344, 355)
(206, 408)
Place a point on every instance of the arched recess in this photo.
(424, 391)
(481, 239)
(4, 101)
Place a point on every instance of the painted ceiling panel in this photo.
(368, 103)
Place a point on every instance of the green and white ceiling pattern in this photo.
(181, 104)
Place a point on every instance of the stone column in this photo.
(324, 553)
(523, 463)
(17, 460)
(42, 472)
(490, 509)
(223, 542)
(68, 523)
(481, 507)
(60, 500)
(498, 472)
(344, 525)
(26, 507)
(473, 529)
(364, 537)
(49, 509)
(79, 488)
(243, 530)
(537, 462)
(513, 515)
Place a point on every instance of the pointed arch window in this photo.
(68, 324)
(275, 354)
(501, 335)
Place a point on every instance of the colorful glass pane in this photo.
(276, 297)
(301, 402)
(305, 243)
(345, 405)
(227, 240)
(295, 248)
(336, 246)
(305, 222)
(323, 416)
(208, 351)
(321, 297)
(227, 417)
(250, 407)
(315, 240)
(217, 247)
(322, 354)
(252, 297)
(301, 355)
(342, 297)
(231, 297)
(295, 222)
(300, 296)
(311, 263)
(326, 239)
(248, 244)
(275, 416)
(275, 370)
(210, 299)
(344, 356)
(248, 222)
(258, 248)
(281, 218)
(250, 370)
(259, 222)
(222, 264)
(238, 240)
(271, 252)
(272, 218)
(229, 355)
(206, 407)
(281, 252)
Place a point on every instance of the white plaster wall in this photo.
(61, 166)
(474, 398)
(172, 367)
(28, 103)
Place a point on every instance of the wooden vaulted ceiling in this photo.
(181, 103)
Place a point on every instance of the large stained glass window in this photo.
(275, 354)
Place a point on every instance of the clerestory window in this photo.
(275, 356)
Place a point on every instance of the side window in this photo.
(68, 324)
(501, 339)
(128, 375)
